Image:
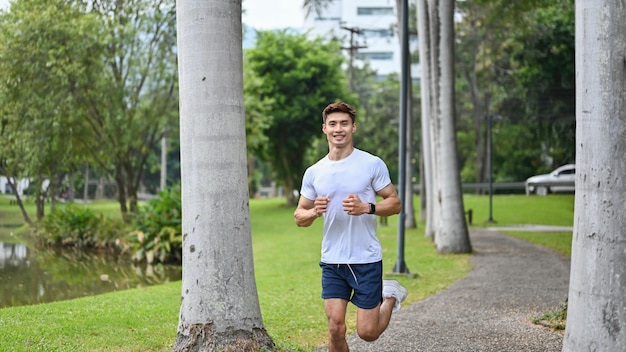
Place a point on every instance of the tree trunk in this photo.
(289, 185)
(409, 209)
(40, 197)
(86, 185)
(596, 315)
(13, 184)
(163, 178)
(120, 181)
(452, 235)
(220, 308)
(425, 46)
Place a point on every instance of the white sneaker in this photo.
(392, 288)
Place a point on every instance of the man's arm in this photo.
(391, 204)
(305, 213)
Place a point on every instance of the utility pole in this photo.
(352, 49)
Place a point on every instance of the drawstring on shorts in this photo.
(352, 271)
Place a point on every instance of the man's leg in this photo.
(336, 314)
(371, 323)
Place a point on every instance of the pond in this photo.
(30, 275)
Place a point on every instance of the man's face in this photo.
(339, 129)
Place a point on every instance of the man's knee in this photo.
(368, 334)
(336, 329)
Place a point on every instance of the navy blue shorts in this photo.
(362, 284)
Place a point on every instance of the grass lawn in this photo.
(288, 283)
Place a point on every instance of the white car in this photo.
(560, 180)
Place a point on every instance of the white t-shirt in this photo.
(347, 239)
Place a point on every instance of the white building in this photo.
(368, 30)
(5, 187)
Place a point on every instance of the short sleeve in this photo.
(380, 175)
(307, 190)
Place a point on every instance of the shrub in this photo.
(157, 233)
(78, 226)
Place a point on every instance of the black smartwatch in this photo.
(372, 208)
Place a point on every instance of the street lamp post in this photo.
(490, 167)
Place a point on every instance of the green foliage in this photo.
(50, 51)
(157, 233)
(78, 226)
(515, 153)
(134, 97)
(516, 61)
(543, 71)
(86, 82)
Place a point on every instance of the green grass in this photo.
(555, 209)
(131, 320)
(288, 284)
(11, 215)
(557, 241)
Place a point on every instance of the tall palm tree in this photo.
(596, 315)
(220, 308)
(315, 6)
(423, 25)
(452, 235)
(445, 220)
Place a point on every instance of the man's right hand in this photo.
(321, 205)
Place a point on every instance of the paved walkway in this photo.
(490, 310)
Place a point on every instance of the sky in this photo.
(261, 14)
(272, 14)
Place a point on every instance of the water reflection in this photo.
(12, 255)
(30, 275)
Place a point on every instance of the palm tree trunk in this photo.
(452, 235)
(425, 47)
(220, 308)
(596, 315)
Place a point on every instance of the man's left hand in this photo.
(353, 205)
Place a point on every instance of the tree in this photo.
(134, 98)
(220, 308)
(293, 78)
(49, 52)
(543, 73)
(448, 216)
(427, 104)
(596, 314)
